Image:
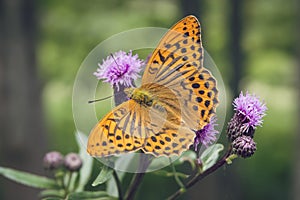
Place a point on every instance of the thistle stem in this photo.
(118, 183)
(138, 177)
(67, 186)
(200, 176)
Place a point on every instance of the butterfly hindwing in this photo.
(131, 126)
(112, 134)
(171, 140)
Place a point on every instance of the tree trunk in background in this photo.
(235, 53)
(191, 7)
(22, 140)
(296, 177)
(230, 181)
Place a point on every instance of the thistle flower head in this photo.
(73, 162)
(244, 146)
(207, 135)
(120, 68)
(53, 160)
(250, 109)
(236, 127)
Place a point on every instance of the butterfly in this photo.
(177, 97)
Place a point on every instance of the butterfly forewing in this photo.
(180, 44)
(177, 63)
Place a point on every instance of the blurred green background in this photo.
(253, 43)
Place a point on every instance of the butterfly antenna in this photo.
(114, 59)
(95, 100)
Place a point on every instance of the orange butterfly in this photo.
(177, 97)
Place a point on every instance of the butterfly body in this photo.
(140, 95)
(177, 97)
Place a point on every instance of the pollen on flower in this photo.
(120, 68)
(251, 108)
(207, 135)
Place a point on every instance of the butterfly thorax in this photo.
(140, 95)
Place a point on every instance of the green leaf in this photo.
(111, 187)
(125, 162)
(160, 162)
(210, 156)
(189, 156)
(87, 160)
(52, 194)
(52, 198)
(105, 174)
(89, 195)
(28, 179)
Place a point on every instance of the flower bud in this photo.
(244, 146)
(53, 160)
(73, 162)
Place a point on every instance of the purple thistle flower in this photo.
(251, 109)
(120, 68)
(236, 127)
(207, 135)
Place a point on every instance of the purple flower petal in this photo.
(251, 108)
(207, 135)
(120, 68)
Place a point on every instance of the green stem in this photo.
(118, 182)
(59, 178)
(68, 183)
(177, 179)
(137, 178)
